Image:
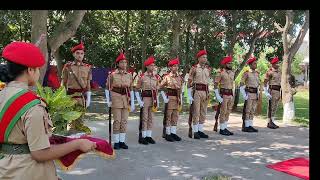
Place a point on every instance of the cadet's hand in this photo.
(109, 104)
(141, 104)
(86, 145)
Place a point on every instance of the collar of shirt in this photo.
(198, 65)
(274, 70)
(18, 84)
(118, 71)
(173, 74)
(250, 70)
(149, 73)
(75, 62)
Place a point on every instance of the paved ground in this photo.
(242, 156)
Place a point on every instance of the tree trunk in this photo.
(126, 34)
(58, 59)
(187, 60)
(175, 36)
(39, 26)
(66, 30)
(289, 53)
(145, 15)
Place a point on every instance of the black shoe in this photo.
(202, 134)
(150, 140)
(271, 125)
(224, 132)
(143, 141)
(196, 135)
(231, 133)
(169, 138)
(253, 129)
(116, 146)
(247, 129)
(123, 145)
(175, 137)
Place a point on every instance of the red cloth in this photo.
(251, 60)
(77, 47)
(226, 60)
(23, 53)
(298, 167)
(274, 60)
(94, 85)
(173, 62)
(53, 80)
(68, 161)
(149, 61)
(201, 53)
(120, 57)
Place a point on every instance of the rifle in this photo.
(140, 122)
(244, 114)
(215, 128)
(190, 117)
(164, 120)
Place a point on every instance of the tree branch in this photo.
(289, 17)
(303, 31)
(66, 29)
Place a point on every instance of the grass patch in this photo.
(301, 102)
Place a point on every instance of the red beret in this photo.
(120, 57)
(24, 53)
(274, 60)
(173, 62)
(201, 53)
(149, 61)
(251, 60)
(77, 47)
(226, 60)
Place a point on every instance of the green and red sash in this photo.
(13, 109)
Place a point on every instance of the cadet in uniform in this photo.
(76, 77)
(148, 83)
(249, 86)
(25, 125)
(223, 83)
(172, 82)
(273, 93)
(119, 82)
(198, 92)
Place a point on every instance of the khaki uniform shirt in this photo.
(120, 79)
(273, 76)
(225, 79)
(81, 70)
(34, 129)
(251, 79)
(173, 81)
(199, 75)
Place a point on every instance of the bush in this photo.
(62, 108)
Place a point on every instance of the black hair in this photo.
(10, 71)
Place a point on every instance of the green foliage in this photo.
(62, 108)
(295, 67)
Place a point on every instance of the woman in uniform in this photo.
(25, 125)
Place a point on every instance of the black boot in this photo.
(271, 125)
(247, 129)
(169, 138)
(150, 140)
(116, 146)
(143, 141)
(196, 135)
(224, 132)
(123, 145)
(202, 134)
(253, 129)
(231, 133)
(175, 137)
